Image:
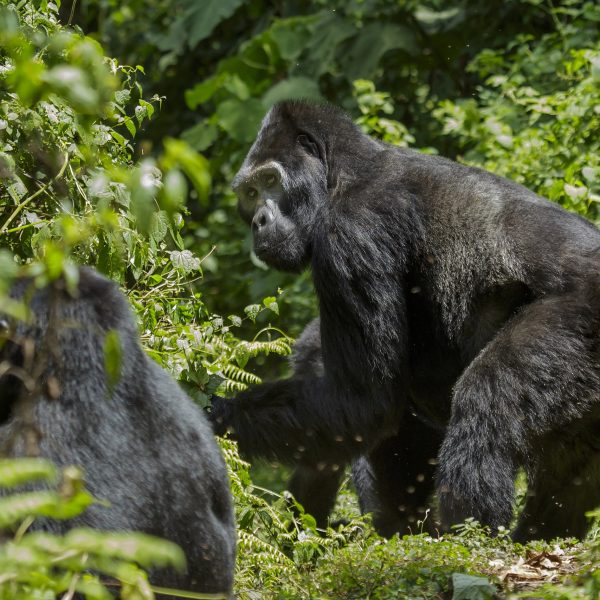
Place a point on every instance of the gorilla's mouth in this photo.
(268, 249)
(289, 254)
(267, 256)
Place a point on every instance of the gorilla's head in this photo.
(282, 184)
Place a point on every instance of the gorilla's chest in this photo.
(437, 356)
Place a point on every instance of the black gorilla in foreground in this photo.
(142, 443)
(459, 329)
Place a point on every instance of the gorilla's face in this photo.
(280, 187)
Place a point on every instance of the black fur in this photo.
(397, 503)
(445, 291)
(143, 445)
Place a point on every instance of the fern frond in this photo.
(214, 345)
(250, 542)
(281, 346)
(233, 386)
(240, 375)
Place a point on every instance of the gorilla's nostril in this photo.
(262, 218)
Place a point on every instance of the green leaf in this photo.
(148, 106)
(44, 503)
(252, 311)
(322, 44)
(235, 320)
(193, 164)
(27, 80)
(113, 357)
(203, 91)
(185, 261)
(590, 173)
(436, 21)
(174, 191)
(575, 192)
(90, 587)
(372, 43)
(74, 85)
(141, 548)
(8, 270)
(271, 304)
(237, 87)
(595, 70)
(159, 226)
(292, 88)
(14, 472)
(207, 15)
(241, 120)
(144, 184)
(201, 136)
(122, 97)
(9, 23)
(118, 138)
(16, 507)
(214, 381)
(291, 35)
(469, 587)
(70, 507)
(130, 126)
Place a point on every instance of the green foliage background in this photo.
(124, 163)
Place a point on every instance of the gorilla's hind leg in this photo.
(539, 376)
(562, 487)
(316, 490)
(395, 481)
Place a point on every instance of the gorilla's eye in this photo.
(270, 180)
(308, 144)
(251, 193)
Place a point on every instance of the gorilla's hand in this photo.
(221, 414)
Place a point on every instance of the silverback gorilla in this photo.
(459, 321)
(143, 445)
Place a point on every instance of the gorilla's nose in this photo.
(263, 217)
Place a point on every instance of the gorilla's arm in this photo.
(298, 420)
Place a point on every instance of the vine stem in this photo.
(72, 13)
(33, 196)
(270, 328)
(26, 226)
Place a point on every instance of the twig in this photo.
(33, 196)
(72, 13)
(21, 227)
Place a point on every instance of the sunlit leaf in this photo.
(469, 587)
(14, 472)
(113, 357)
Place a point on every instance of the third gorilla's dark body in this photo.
(316, 486)
(460, 313)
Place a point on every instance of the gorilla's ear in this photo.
(309, 144)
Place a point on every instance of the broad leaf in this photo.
(206, 15)
(372, 43)
(469, 587)
(292, 88)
